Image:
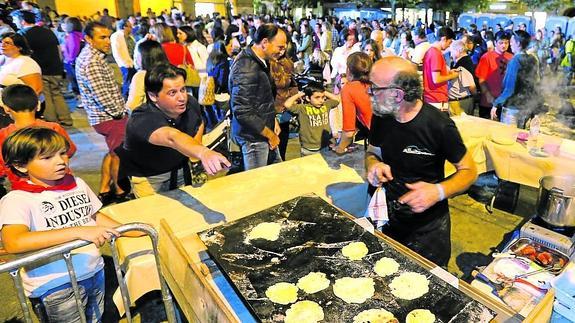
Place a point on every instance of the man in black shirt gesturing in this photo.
(162, 134)
(409, 143)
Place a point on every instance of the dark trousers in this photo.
(127, 74)
(431, 240)
(284, 138)
(485, 112)
(56, 108)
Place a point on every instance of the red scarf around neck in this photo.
(68, 182)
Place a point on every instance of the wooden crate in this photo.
(542, 312)
(190, 279)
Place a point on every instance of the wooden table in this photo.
(180, 214)
(339, 180)
(190, 210)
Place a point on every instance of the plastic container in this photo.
(534, 127)
(509, 116)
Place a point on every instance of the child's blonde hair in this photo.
(23, 145)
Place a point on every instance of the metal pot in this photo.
(555, 203)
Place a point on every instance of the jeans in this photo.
(71, 76)
(258, 154)
(59, 304)
(127, 74)
(568, 72)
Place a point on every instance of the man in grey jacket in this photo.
(252, 91)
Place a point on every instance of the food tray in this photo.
(312, 235)
(519, 246)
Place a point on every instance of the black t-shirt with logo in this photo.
(416, 151)
(141, 158)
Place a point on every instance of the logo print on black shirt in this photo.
(414, 150)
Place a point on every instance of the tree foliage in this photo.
(547, 5)
(458, 6)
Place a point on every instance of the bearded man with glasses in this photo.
(409, 144)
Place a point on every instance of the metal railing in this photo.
(13, 267)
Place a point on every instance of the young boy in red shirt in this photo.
(20, 102)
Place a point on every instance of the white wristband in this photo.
(441, 192)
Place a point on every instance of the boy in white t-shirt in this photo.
(50, 208)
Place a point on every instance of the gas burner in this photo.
(566, 231)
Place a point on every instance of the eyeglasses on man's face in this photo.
(374, 90)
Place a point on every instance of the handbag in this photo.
(192, 75)
(207, 91)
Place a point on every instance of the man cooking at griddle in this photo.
(409, 144)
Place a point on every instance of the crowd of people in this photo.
(396, 85)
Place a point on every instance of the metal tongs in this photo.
(554, 269)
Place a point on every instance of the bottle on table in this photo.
(534, 127)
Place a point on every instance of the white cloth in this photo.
(459, 87)
(419, 51)
(377, 208)
(339, 59)
(137, 93)
(120, 49)
(199, 54)
(442, 106)
(15, 68)
(52, 210)
(336, 120)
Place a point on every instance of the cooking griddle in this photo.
(312, 235)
